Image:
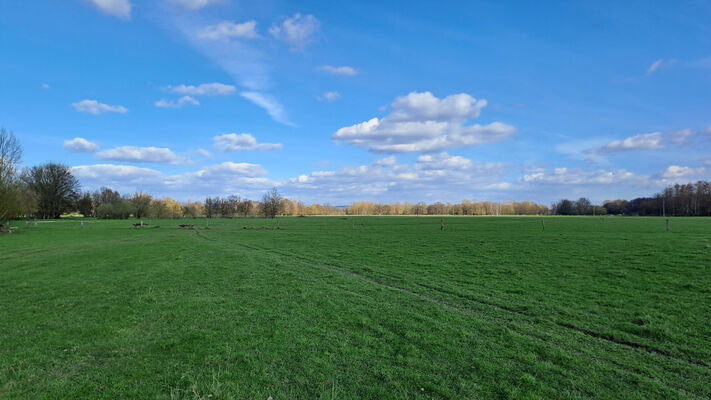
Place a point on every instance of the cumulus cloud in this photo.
(677, 171)
(221, 179)
(194, 4)
(137, 154)
(116, 8)
(343, 70)
(576, 176)
(297, 31)
(242, 142)
(181, 102)
(229, 30)
(443, 161)
(646, 141)
(329, 97)
(430, 178)
(205, 89)
(80, 145)
(421, 122)
(386, 161)
(94, 107)
(267, 102)
(204, 153)
(45, 86)
(681, 136)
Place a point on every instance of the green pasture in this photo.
(357, 308)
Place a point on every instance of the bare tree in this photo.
(141, 204)
(271, 203)
(10, 190)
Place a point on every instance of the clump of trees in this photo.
(56, 189)
(681, 200)
(582, 206)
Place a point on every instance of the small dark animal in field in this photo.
(139, 225)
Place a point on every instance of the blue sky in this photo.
(343, 101)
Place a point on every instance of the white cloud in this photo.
(94, 107)
(386, 161)
(229, 30)
(230, 169)
(676, 171)
(204, 153)
(45, 86)
(241, 59)
(296, 31)
(329, 97)
(242, 141)
(421, 122)
(267, 102)
(205, 89)
(137, 154)
(181, 102)
(680, 137)
(343, 70)
(646, 141)
(443, 161)
(430, 178)
(660, 64)
(80, 145)
(221, 179)
(117, 8)
(194, 4)
(655, 65)
(575, 176)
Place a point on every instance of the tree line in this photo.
(50, 190)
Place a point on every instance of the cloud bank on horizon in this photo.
(277, 92)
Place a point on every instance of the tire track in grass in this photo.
(587, 332)
(594, 335)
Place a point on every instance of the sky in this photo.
(335, 102)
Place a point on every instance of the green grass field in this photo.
(489, 308)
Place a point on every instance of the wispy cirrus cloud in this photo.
(660, 63)
(94, 107)
(242, 142)
(204, 89)
(236, 56)
(269, 103)
(422, 122)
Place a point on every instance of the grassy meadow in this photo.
(357, 308)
